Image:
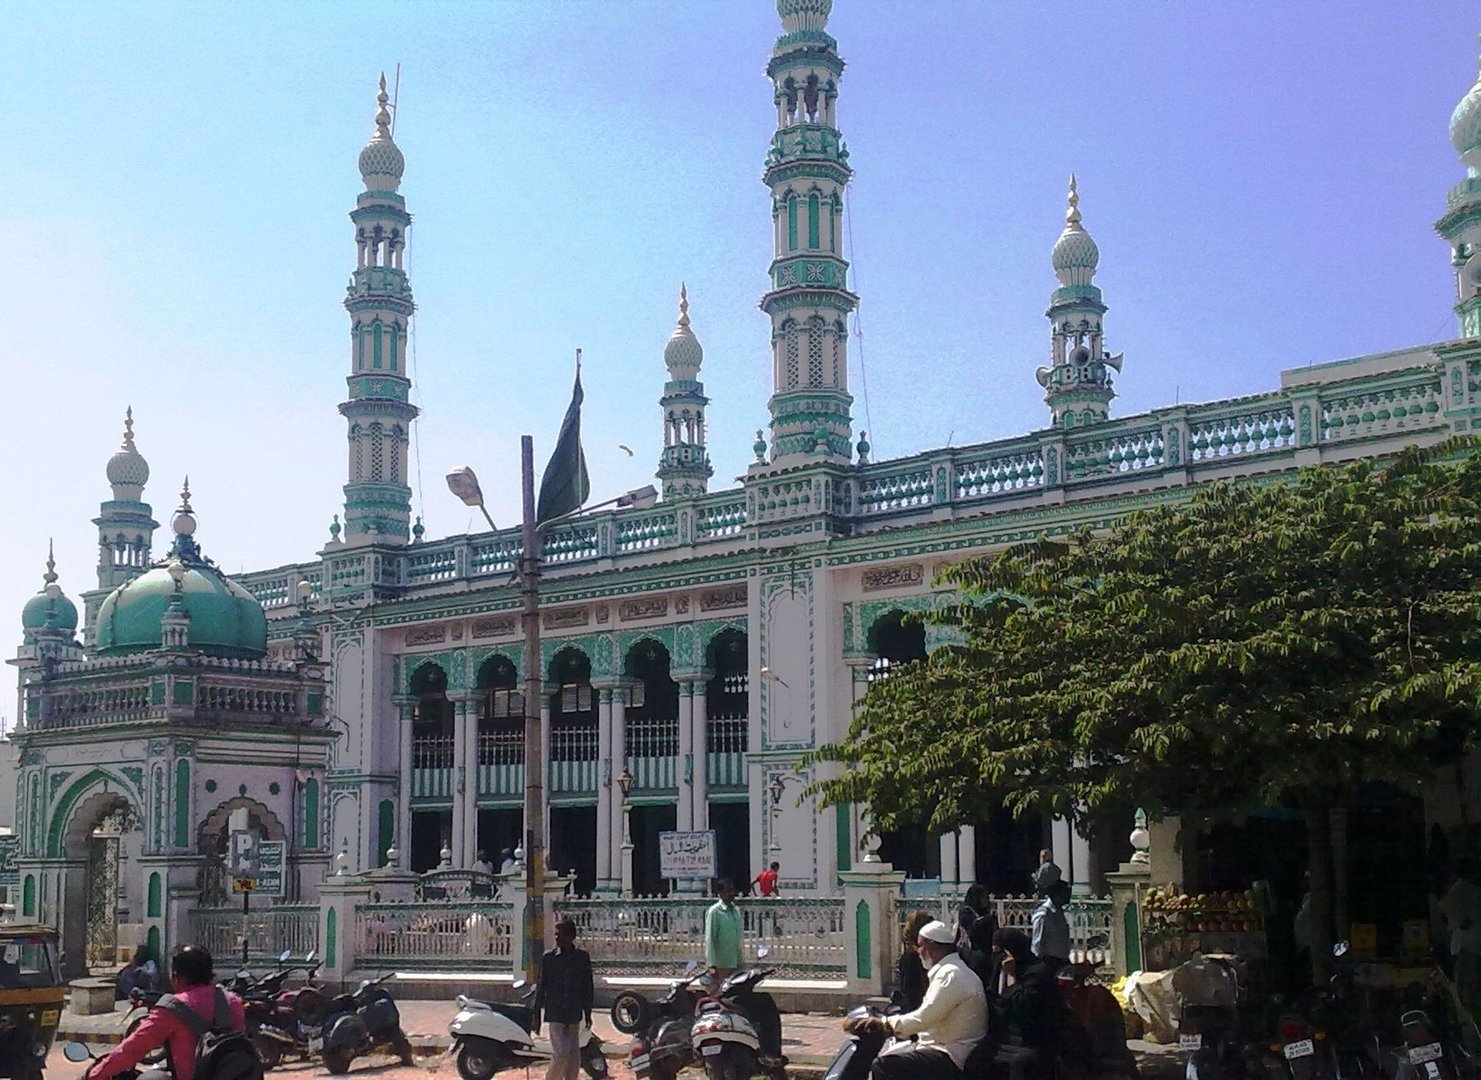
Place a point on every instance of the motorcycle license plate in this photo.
(712, 1049)
(1190, 1042)
(1418, 1055)
(1299, 1049)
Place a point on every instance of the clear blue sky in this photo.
(1261, 178)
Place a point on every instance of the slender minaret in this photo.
(379, 410)
(809, 302)
(684, 468)
(1077, 384)
(125, 525)
(1461, 224)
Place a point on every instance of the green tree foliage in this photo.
(1284, 641)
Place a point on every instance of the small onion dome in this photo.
(381, 162)
(804, 14)
(1075, 255)
(1465, 128)
(49, 609)
(683, 354)
(127, 469)
(225, 619)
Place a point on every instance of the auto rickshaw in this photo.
(30, 998)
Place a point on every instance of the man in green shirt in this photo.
(723, 935)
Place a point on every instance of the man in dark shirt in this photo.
(564, 997)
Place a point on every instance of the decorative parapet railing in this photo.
(270, 930)
(1092, 928)
(658, 935)
(434, 936)
(1388, 396)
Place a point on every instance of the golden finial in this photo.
(382, 112)
(683, 306)
(1072, 215)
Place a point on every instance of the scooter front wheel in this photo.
(337, 1061)
(477, 1062)
(630, 1011)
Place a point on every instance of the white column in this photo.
(545, 692)
(1080, 859)
(966, 854)
(1060, 845)
(685, 810)
(619, 761)
(948, 860)
(460, 784)
(701, 792)
(470, 802)
(606, 789)
(404, 709)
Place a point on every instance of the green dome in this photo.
(225, 619)
(42, 608)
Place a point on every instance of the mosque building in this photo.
(364, 705)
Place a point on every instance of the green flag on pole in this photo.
(565, 485)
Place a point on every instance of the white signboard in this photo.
(686, 854)
(257, 865)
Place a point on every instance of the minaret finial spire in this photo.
(1072, 215)
(128, 428)
(683, 306)
(51, 563)
(383, 111)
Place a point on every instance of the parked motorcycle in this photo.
(633, 1012)
(491, 1036)
(282, 1022)
(860, 1047)
(360, 1023)
(660, 1030)
(1209, 995)
(738, 1033)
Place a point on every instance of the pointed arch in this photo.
(68, 815)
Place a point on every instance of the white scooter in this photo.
(490, 1037)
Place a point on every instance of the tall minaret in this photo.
(1461, 224)
(125, 525)
(684, 468)
(379, 410)
(809, 302)
(1077, 384)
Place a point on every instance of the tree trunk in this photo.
(1319, 868)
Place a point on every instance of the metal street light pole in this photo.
(534, 758)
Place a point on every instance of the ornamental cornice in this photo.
(799, 296)
(359, 408)
(789, 171)
(380, 211)
(358, 302)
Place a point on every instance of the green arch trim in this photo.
(310, 839)
(331, 938)
(75, 791)
(385, 829)
(182, 803)
(155, 908)
(152, 940)
(1131, 923)
(28, 896)
(863, 941)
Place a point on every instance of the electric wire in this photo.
(848, 226)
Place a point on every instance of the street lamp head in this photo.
(643, 498)
(776, 787)
(463, 483)
(625, 781)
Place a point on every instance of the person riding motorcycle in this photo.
(191, 983)
(951, 1020)
(1025, 1007)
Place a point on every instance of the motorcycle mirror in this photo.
(76, 1052)
(519, 984)
(1340, 949)
(763, 952)
(243, 973)
(285, 956)
(309, 956)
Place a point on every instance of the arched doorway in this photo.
(574, 750)
(501, 758)
(652, 755)
(432, 763)
(213, 841)
(727, 738)
(102, 840)
(895, 640)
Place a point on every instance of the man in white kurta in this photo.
(951, 1020)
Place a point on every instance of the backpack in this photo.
(221, 1052)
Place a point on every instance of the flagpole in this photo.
(534, 915)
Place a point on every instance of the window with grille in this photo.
(395, 454)
(357, 454)
(792, 358)
(815, 353)
(838, 379)
(505, 704)
(377, 453)
(576, 698)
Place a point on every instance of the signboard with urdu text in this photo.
(686, 854)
